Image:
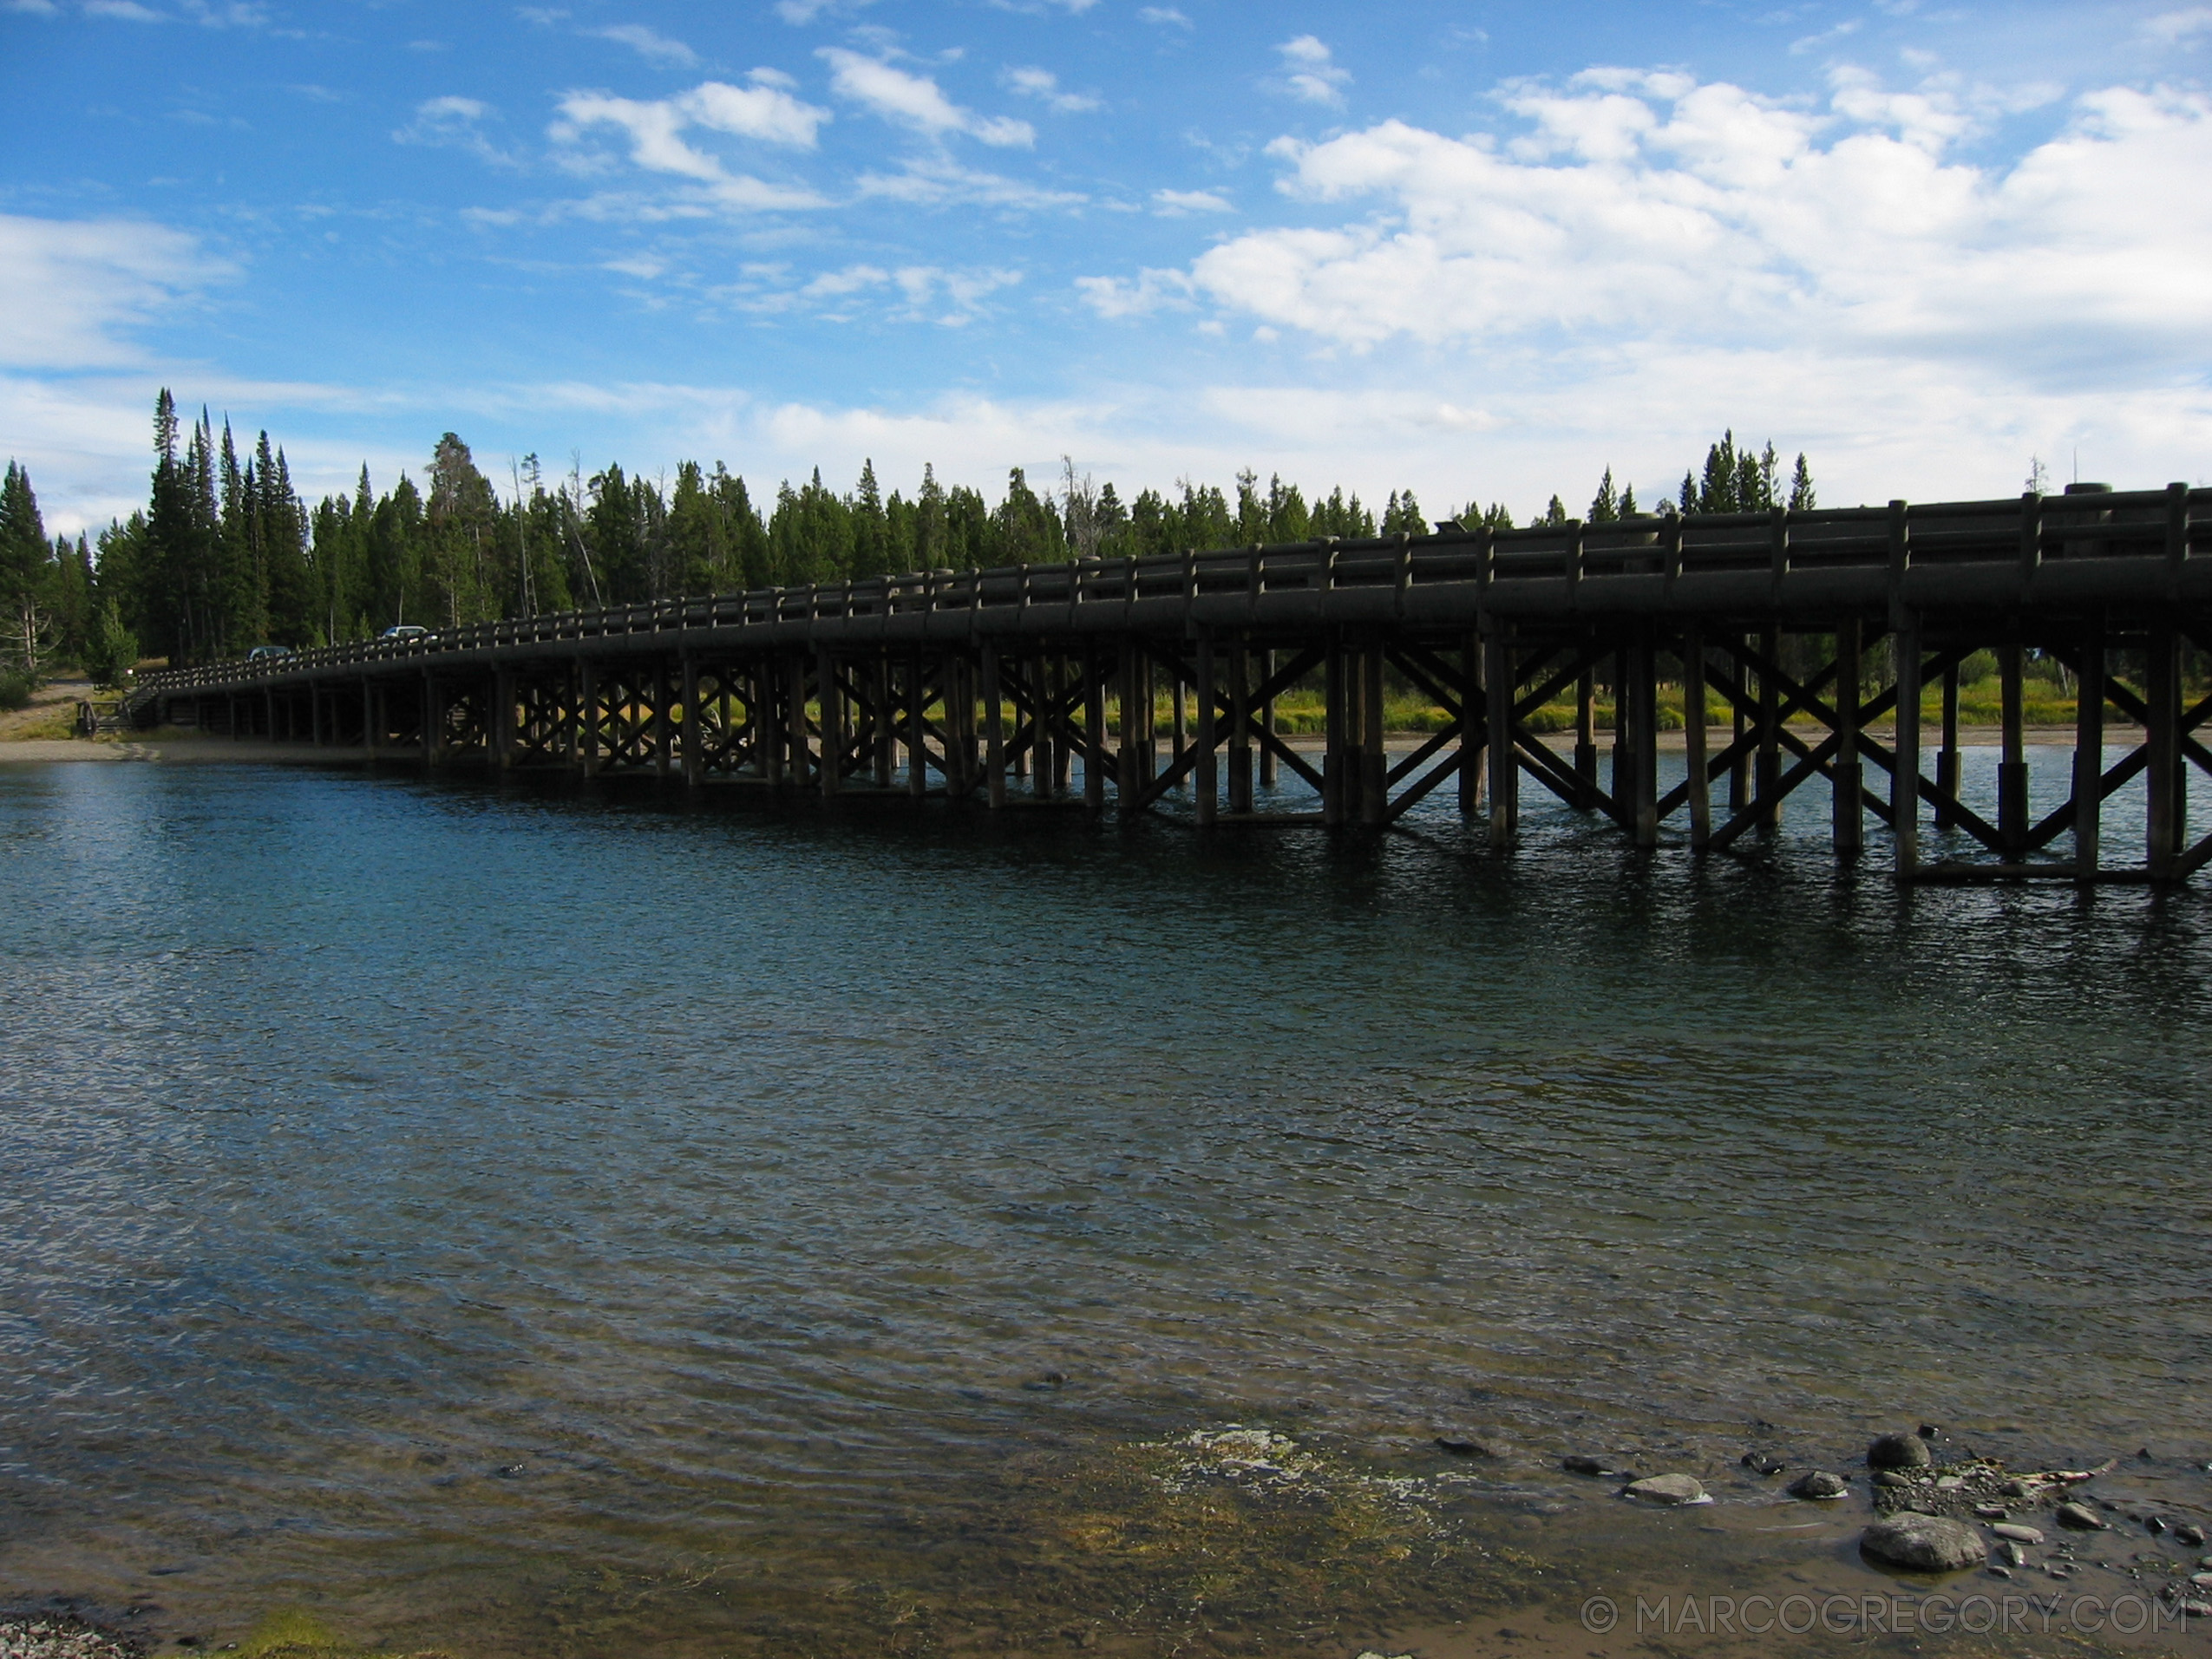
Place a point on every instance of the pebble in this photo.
(1760, 1463)
(2018, 1533)
(2189, 1534)
(1819, 1485)
(2203, 1580)
(1924, 1543)
(2015, 1555)
(1949, 1482)
(2155, 1524)
(1900, 1452)
(1672, 1489)
(1585, 1466)
(2080, 1517)
(2196, 1609)
(1990, 1512)
(57, 1638)
(1463, 1448)
(1891, 1479)
(2000, 1573)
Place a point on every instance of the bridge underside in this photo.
(1809, 641)
(1792, 711)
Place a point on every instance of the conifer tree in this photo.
(1604, 506)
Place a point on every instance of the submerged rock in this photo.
(2080, 1517)
(1899, 1452)
(1923, 1544)
(1579, 1465)
(1669, 1489)
(2018, 1533)
(1818, 1484)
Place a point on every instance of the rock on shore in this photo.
(1924, 1543)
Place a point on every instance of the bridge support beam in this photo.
(994, 731)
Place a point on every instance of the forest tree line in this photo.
(226, 555)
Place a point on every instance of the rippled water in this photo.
(532, 1219)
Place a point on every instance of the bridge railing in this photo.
(2030, 529)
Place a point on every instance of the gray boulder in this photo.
(1899, 1452)
(1924, 1543)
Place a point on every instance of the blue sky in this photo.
(1478, 250)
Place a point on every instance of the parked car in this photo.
(263, 653)
(406, 630)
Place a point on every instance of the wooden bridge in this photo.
(997, 684)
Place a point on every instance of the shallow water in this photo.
(532, 1219)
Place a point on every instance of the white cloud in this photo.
(655, 127)
(916, 101)
(127, 10)
(72, 290)
(649, 44)
(453, 122)
(1162, 14)
(936, 180)
(1173, 204)
(1640, 209)
(1114, 296)
(2177, 27)
(801, 12)
(1044, 85)
(34, 8)
(1314, 74)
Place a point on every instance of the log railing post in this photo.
(1502, 688)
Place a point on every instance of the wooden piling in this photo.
(994, 716)
(916, 727)
(1335, 758)
(663, 722)
(1473, 731)
(1849, 816)
(1374, 757)
(1586, 739)
(1946, 758)
(1240, 727)
(1093, 719)
(1501, 689)
(1698, 765)
(427, 717)
(1904, 779)
(694, 730)
(2089, 749)
(800, 756)
(1642, 727)
(2012, 764)
(1768, 784)
(829, 723)
(1205, 780)
(587, 704)
(1267, 763)
(2161, 739)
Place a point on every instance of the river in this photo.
(542, 1219)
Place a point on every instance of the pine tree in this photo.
(871, 529)
(1802, 497)
(1555, 513)
(24, 560)
(1605, 507)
